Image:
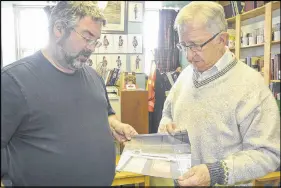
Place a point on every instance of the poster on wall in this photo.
(115, 15)
(107, 43)
(120, 43)
(135, 12)
(119, 61)
(104, 63)
(93, 61)
(137, 63)
(134, 43)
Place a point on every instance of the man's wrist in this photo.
(217, 173)
(114, 123)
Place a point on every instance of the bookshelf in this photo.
(252, 46)
(275, 42)
(265, 10)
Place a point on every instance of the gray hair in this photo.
(209, 13)
(70, 12)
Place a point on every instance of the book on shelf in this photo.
(169, 79)
(233, 8)
(256, 62)
(250, 5)
(112, 77)
(275, 89)
(275, 67)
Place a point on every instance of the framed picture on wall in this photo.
(104, 64)
(107, 43)
(119, 61)
(135, 12)
(94, 63)
(116, 17)
(134, 43)
(120, 43)
(137, 63)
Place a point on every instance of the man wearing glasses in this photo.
(57, 125)
(230, 114)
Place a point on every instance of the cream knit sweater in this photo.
(232, 120)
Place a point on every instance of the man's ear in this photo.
(224, 36)
(60, 30)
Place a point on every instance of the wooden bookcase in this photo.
(265, 10)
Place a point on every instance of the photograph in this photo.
(104, 63)
(137, 63)
(107, 44)
(120, 43)
(115, 15)
(120, 62)
(134, 43)
(135, 12)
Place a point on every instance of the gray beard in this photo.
(72, 61)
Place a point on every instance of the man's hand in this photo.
(196, 176)
(170, 128)
(123, 132)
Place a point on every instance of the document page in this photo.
(160, 155)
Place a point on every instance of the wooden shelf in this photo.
(252, 46)
(255, 12)
(275, 42)
(275, 5)
(256, 45)
(231, 20)
(274, 80)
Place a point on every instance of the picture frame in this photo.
(120, 43)
(137, 63)
(135, 11)
(116, 13)
(134, 45)
(107, 43)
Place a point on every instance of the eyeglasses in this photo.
(194, 47)
(95, 43)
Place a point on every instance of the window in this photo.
(31, 30)
(151, 24)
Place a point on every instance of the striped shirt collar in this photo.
(221, 63)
